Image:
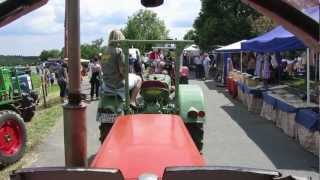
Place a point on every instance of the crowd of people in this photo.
(106, 70)
(266, 66)
(161, 61)
(202, 65)
(56, 72)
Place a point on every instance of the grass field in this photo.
(36, 80)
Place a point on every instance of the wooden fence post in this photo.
(44, 94)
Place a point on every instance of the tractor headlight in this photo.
(194, 113)
(201, 114)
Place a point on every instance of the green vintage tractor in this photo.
(17, 105)
(160, 94)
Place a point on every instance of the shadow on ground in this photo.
(273, 142)
(212, 85)
(283, 151)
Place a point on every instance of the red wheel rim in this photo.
(10, 137)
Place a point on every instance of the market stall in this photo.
(307, 129)
(231, 75)
(298, 117)
(189, 53)
(280, 40)
(248, 88)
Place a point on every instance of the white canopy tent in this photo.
(194, 49)
(232, 47)
(81, 60)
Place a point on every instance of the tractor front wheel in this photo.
(104, 130)
(13, 137)
(196, 132)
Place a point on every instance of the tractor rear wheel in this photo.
(104, 130)
(196, 132)
(13, 137)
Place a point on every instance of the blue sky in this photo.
(43, 28)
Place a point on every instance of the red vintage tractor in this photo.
(142, 146)
(147, 147)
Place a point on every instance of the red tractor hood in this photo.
(147, 143)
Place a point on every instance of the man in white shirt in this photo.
(95, 78)
(198, 62)
(206, 65)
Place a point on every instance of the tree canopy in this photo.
(89, 51)
(46, 54)
(145, 25)
(227, 21)
(191, 35)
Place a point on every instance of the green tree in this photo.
(90, 50)
(223, 22)
(46, 54)
(261, 25)
(191, 35)
(145, 25)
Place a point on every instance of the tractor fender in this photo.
(113, 103)
(191, 97)
(108, 104)
(10, 106)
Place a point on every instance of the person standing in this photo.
(89, 67)
(206, 65)
(184, 59)
(138, 65)
(198, 63)
(266, 72)
(251, 64)
(51, 77)
(95, 78)
(131, 63)
(38, 69)
(62, 79)
(46, 78)
(259, 63)
(230, 66)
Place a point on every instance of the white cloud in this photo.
(44, 21)
(29, 44)
(44, 27)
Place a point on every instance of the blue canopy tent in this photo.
(278, 39)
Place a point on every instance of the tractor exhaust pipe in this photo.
(151, 3)
(74, 112)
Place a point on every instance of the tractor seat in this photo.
(153, 84)
(152, 90)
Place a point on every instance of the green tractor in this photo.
(160, 94)
(17, 105)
